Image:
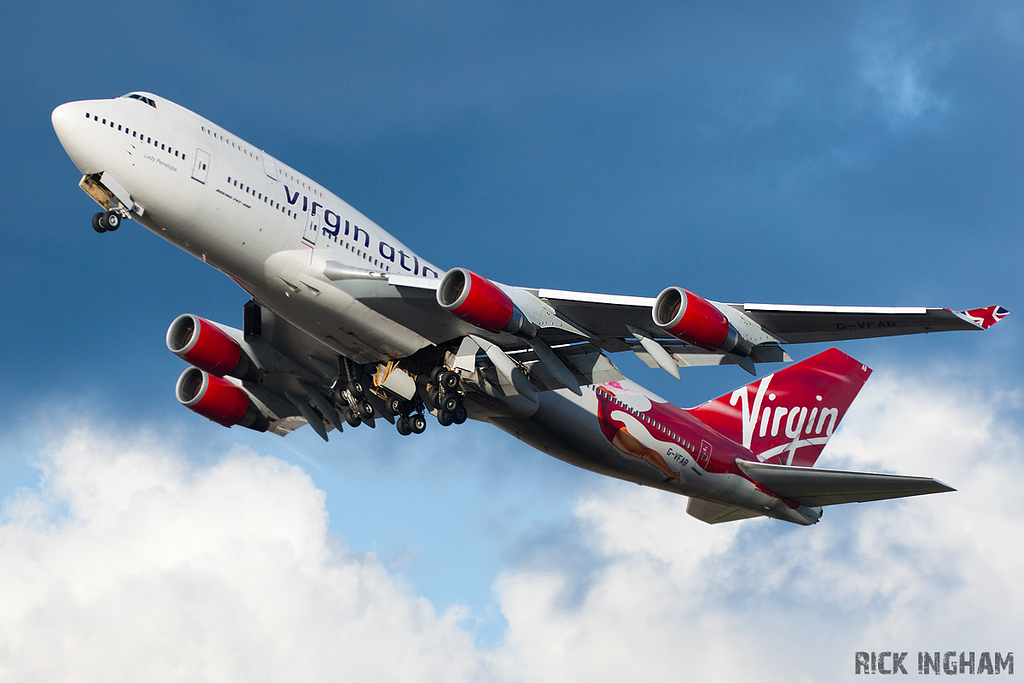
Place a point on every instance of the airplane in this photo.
(346, 325)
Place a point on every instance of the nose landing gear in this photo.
(106, 222)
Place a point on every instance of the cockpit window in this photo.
(141, 98)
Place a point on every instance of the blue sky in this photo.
(860, 153)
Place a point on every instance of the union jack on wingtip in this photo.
(986, 317)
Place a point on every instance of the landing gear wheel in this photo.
(449, 381)
(460, 415)
(449, 403)
(404, 428)
(418, 423)
(365, 410)
(355, 387)
(445, 419)
(111, 221)
(395, 405)
(352, 419)
(97, 223)
(433, 398)
(435, 376)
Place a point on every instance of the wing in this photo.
(800, 324)
(616, 323)
(617, 320)
(608, 316)
(815, 487)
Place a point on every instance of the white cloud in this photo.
(131, 564)
(131, 561)
(897, 71)
(760, 600)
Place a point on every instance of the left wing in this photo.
(607, 316)
(676, 329)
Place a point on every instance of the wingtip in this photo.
(986, 317)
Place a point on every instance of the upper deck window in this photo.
(141, 98)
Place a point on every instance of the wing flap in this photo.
(816, 487)
(585, 361)
(691, 356)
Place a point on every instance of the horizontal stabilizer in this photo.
(815, 487)
(716, 513)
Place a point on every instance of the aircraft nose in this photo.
(66, 119)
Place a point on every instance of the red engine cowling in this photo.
(204, 345)
(480, 302)
(688, 317)
(218, 399)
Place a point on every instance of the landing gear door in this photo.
(312, 229)
(201, 166)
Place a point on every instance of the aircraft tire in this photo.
(111, 221)
(352, 419)
(365, 409)
(417, 423)
(444, 418)
(433, 398)
(395, 405)
(404, 428)
(449, 381)
(460, 415)
(449, 403)
(355, 387)
(97, 223)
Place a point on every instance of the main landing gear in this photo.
(106, 222)
(445, 397)
(357, 408)
(412, 424)
(442, 395)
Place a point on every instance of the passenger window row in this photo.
(141, 137)
(234, 182)
(228, 141)
(651, 421)
(262, 197)
(289, 176)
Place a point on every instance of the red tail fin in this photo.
(789, 416)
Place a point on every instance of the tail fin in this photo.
(788, 417)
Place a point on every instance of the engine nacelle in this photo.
(688, 317)
(218, 399)
(480, 302)
(206, 346)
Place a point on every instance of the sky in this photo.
(803, 153)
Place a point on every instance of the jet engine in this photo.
(204, 345)
(218, 399)
(688, 317)
(480, 302)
